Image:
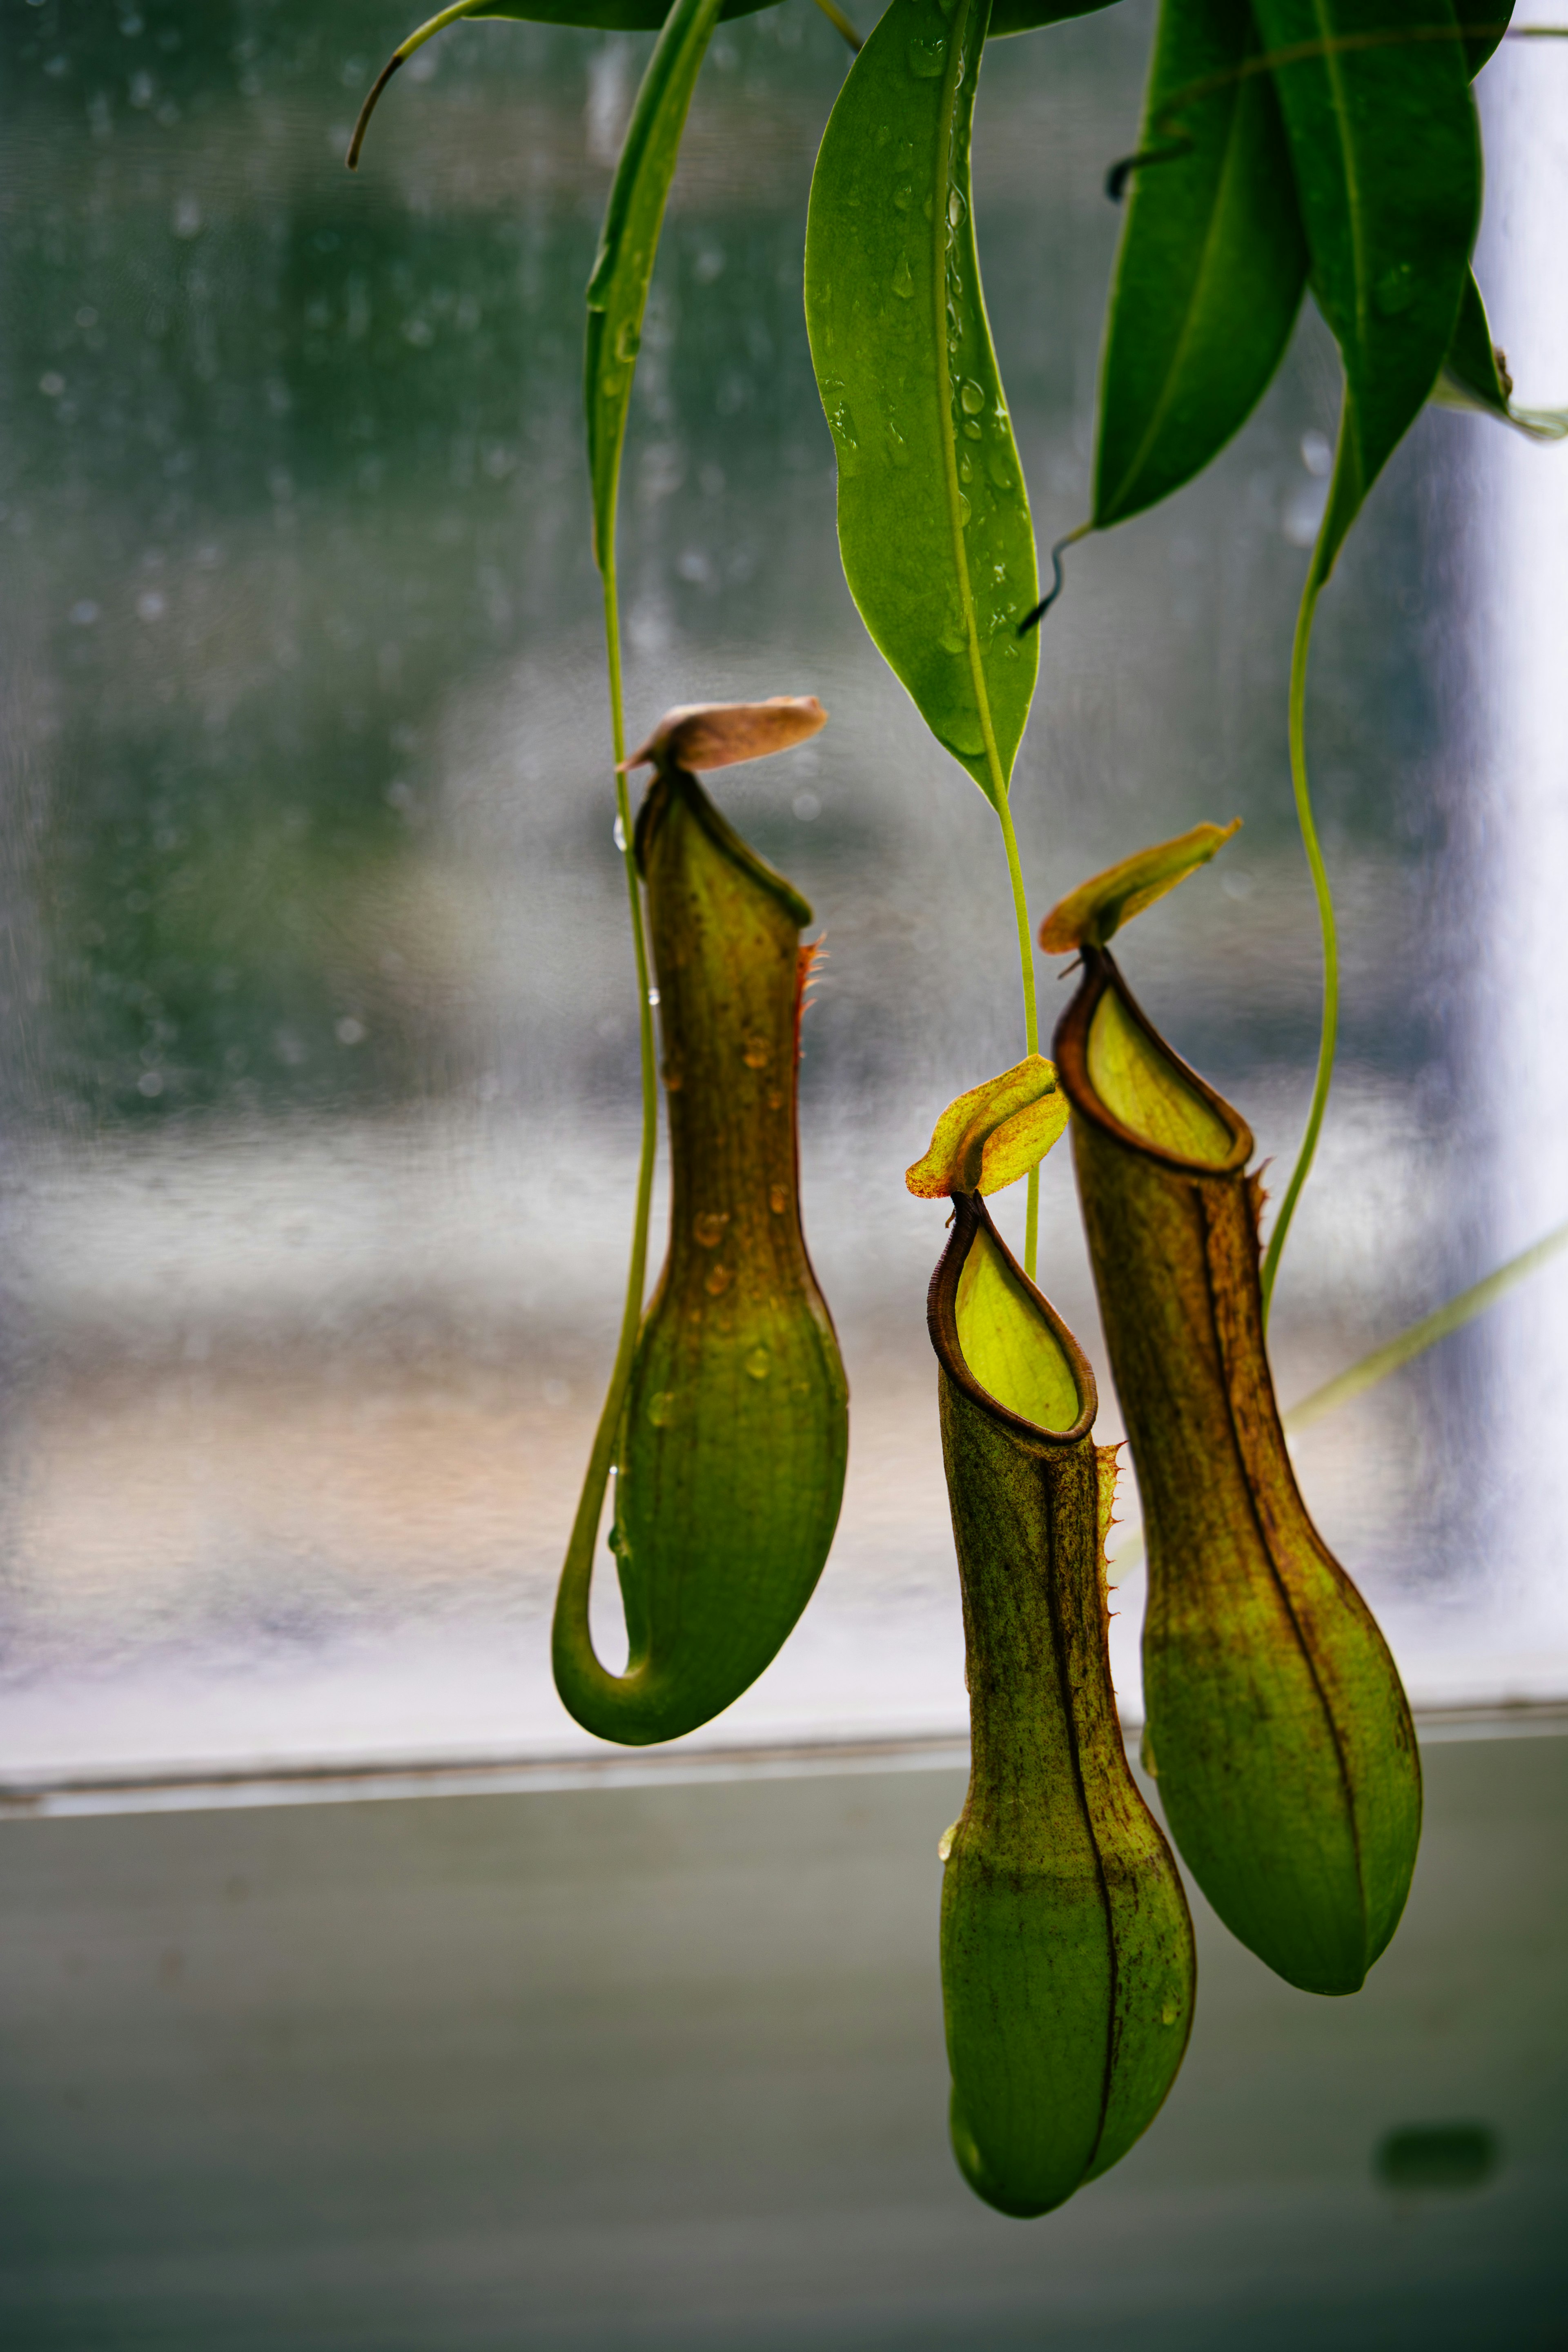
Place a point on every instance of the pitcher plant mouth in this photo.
(1120, 1071)
(974, 1275)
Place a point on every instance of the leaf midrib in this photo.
(961, 18)
(1334, 70)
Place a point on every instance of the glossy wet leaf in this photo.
(1474, 376)
(990, 1137)
(629, 243)
(1066, 1953)
(1385, 153)
(934, 523)
(1276, 1722)
(730, 1454)
(1092, 914)
(1212, 263)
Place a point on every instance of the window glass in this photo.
(318, 1038)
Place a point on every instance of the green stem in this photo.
(585, 1527)
(1031, 1012)
(400, 56)
(1329, 1034)
(956, 507)
(1436, 1326)
(840, 23)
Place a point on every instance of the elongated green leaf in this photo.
(1212, 265)
(1474, 376)
(934, 523)
(1386, 156)
(1028, 15)
(629, 242)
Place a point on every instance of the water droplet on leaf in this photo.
(927, 58)
(971, 398)
(903, 279)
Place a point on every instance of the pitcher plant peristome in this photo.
(1276, 1720)
(1067, 1950)
(731, 1446)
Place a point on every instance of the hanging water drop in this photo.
(618, 835)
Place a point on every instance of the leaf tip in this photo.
(1092, 914)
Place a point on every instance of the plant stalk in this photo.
(957, 508)
(585, 1527)
(1329, 1034)
(1031, 1013)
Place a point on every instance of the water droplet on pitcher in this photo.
(927, 58)
(759, 1364)
(708, 1227)
(618, 835)
(756, 1053)
(661, 1408)
(628, 340)
(775, 1100)
(903, 279)
(718, 1281)
(1168, 2013)
(778, 1200)
(674, 1077)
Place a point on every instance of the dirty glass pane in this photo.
(318, 1051)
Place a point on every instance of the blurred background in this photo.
(317, 1020)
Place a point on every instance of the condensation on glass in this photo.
(318, 1036)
